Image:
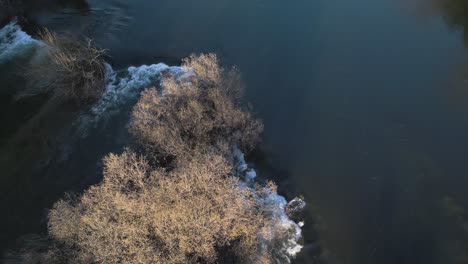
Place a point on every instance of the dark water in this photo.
(364, 103)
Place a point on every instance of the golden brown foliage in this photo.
(74, 70)
(141, 215)
(199, 113)
(196, 211)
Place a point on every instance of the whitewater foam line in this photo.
(121, 90)
(124, 86)
(14, 42)
(284, 229)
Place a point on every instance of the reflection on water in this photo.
(80, 17)
(455, 14)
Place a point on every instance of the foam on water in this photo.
(283, 230)
(121, 90)
(123, 86)
(14, 42)
(243, 170)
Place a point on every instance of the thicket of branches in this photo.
(194, 211)
(139, 214)
(201, 112)
(74, 69)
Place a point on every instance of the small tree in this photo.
(193, 214)
(200, 112)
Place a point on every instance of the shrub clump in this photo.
(75, 69)
(195, 210)
(199, 112)
(138, 214)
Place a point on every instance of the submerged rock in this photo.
(295, 209)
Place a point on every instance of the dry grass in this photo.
(74, 70)
(202, 114)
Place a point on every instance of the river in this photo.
(365, 106)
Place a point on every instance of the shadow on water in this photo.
(432, 215)
(455, 14)
(45, 157)
(42, 152)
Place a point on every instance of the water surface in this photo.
(364, 105)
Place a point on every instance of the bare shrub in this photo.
(140, 215)
(196, 211)
(205, 67)
(75, 68)
(199, 114)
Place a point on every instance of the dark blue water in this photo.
(364, 102)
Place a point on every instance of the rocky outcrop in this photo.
(295, 209)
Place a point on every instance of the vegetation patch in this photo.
(74, 69)
(197, 113)
(192, 210)
(139, 214)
